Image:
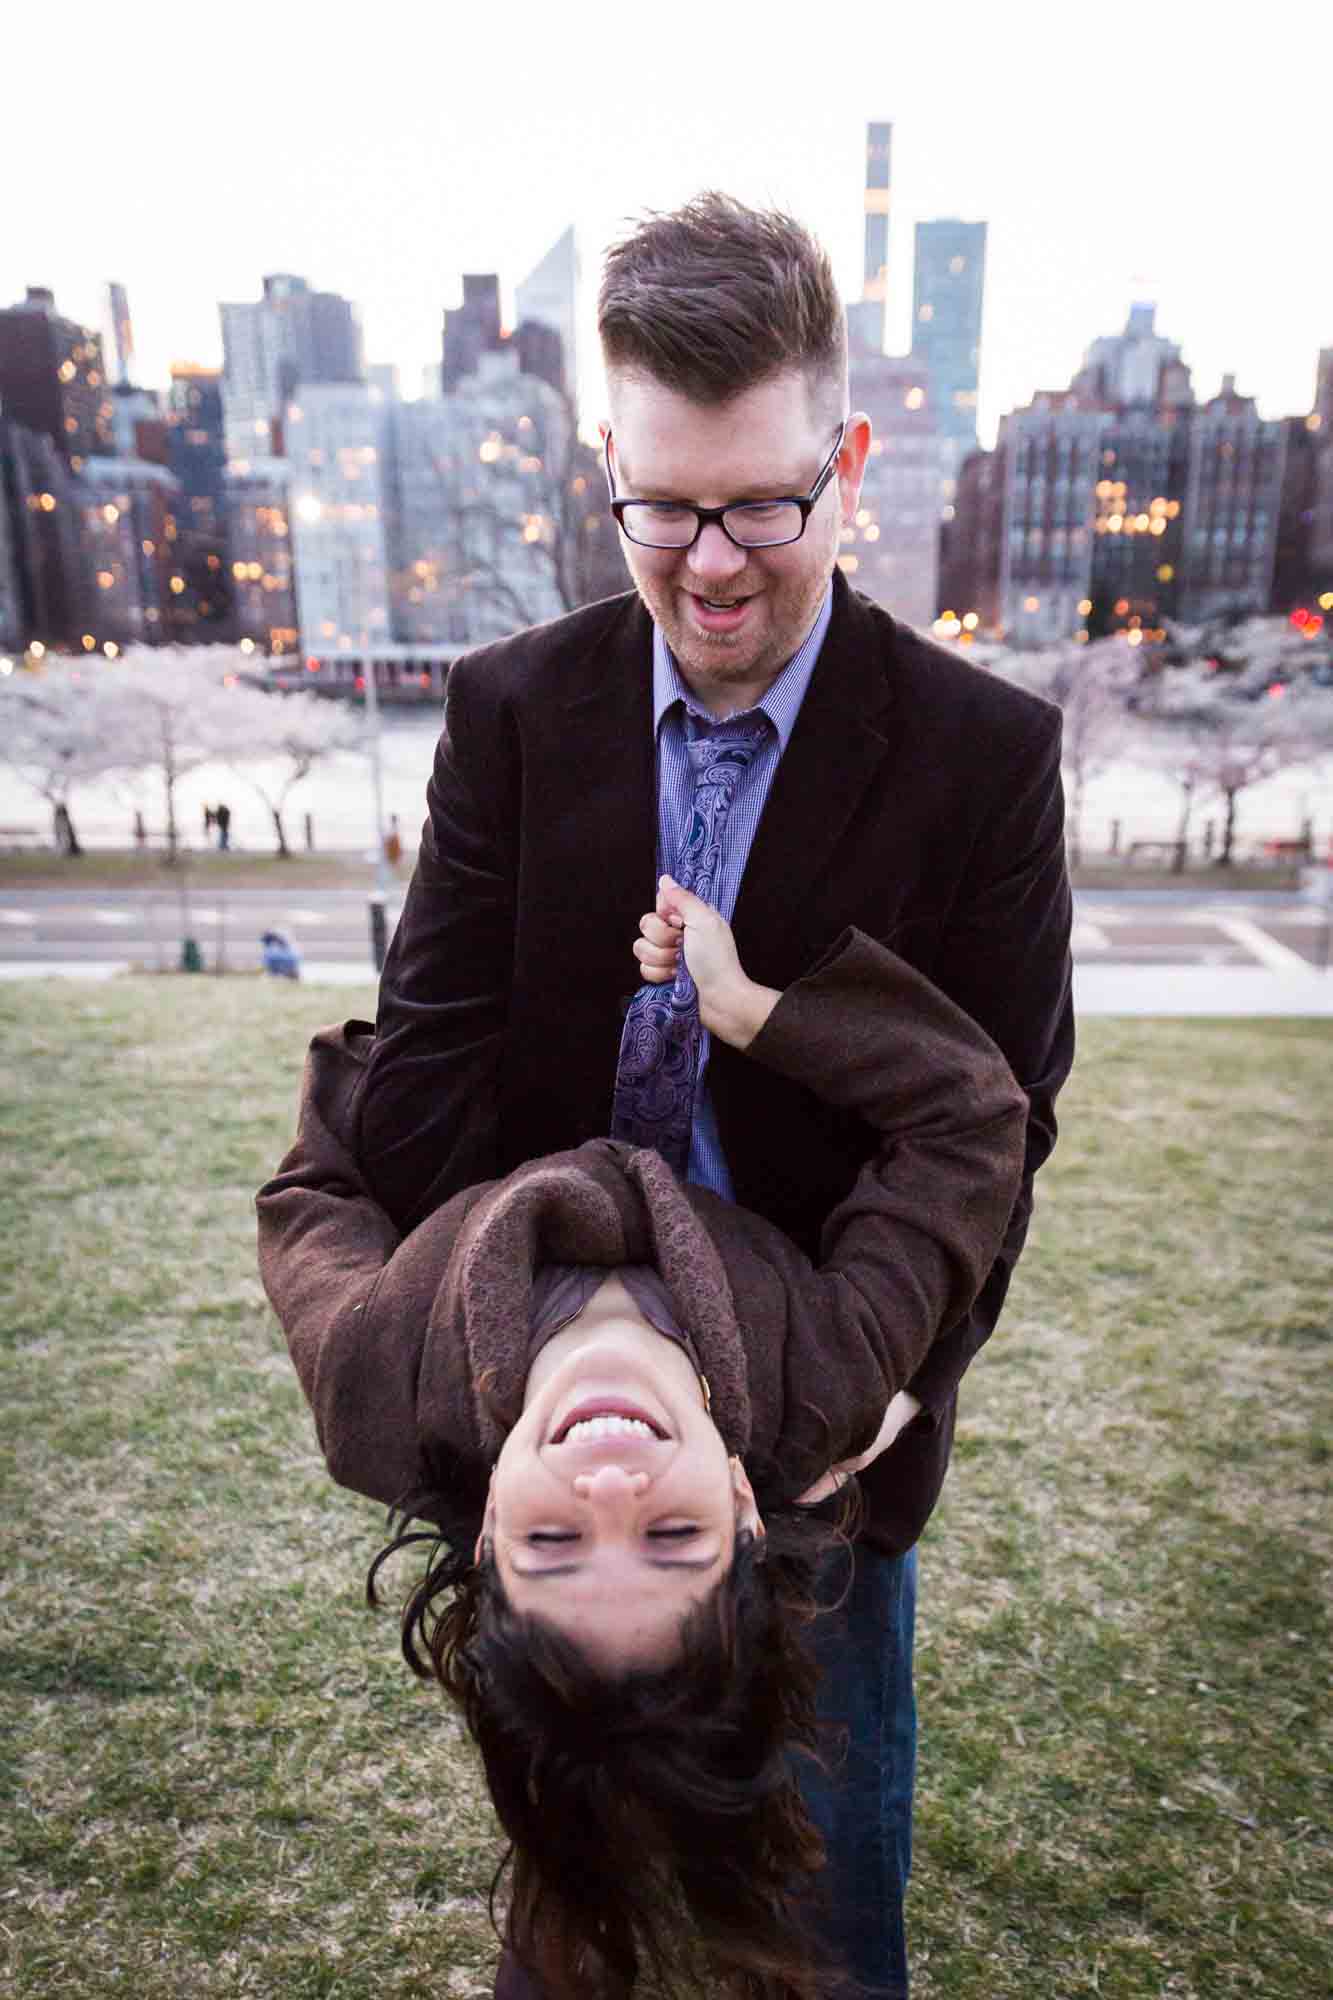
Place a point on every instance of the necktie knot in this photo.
(719, 760)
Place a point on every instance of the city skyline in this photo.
(1096, 194)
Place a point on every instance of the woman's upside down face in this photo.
(614, 1507)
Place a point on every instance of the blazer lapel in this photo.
(604, 736)
(843, 737)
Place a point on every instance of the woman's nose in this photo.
(610, 1486)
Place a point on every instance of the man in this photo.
(888, 784)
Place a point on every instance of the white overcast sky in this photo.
(1170, 151)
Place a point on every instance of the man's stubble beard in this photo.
(705, 655)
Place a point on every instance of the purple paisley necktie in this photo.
(662, 1041)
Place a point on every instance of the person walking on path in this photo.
(890, 785)
(222, 815)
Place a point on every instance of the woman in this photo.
(617, 1395)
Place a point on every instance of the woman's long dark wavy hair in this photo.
(654, 1817)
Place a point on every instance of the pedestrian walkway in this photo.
(1293, 988)
(1195, 991)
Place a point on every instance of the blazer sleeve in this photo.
(428, 1120)
(906, 1252)
(1005, 959)
(352, 1296)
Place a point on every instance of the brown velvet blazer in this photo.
(918, 800)
(413, 1351)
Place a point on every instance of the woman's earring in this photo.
(708, 1395)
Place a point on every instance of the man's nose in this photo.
(715, 554)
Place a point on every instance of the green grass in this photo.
(119, 868)
(217, 1776)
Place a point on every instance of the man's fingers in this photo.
(656, 963)
(659, 932)
(681, 906)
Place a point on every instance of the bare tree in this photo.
(273, 741)
(169, 711)
(1227, 741)
(503, 505)
(1091, 685)
(1253, 699)
(57, 734)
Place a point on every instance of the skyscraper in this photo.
(291, 336)
(865, 320)
(1232, 495)
(547, 299)
(337, 436)
(891, 550)
(948, 280)
(52, 377)
(121, 330)
(472, 329)
(11, 606)
(197, 455)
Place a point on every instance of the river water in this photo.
(338, 797)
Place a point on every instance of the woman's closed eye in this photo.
(541, 1537)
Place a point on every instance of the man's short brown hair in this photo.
(716, 298)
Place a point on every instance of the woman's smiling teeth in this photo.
(600, 1427)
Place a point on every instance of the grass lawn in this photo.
(219, 1779)
(121, 868)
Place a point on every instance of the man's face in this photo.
(733, 617)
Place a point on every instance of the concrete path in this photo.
(1289, 989)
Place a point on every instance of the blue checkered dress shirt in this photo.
(676, 714)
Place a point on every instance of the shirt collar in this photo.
(782, 702)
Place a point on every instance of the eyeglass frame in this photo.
(807, 502)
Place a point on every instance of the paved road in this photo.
(1279, 932)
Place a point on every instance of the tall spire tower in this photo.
(866, 319)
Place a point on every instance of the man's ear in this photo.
(852, 463)
(747, 1507)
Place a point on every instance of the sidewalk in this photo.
(1180, 990)
(1197, 990)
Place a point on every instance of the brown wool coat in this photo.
(412, 1351)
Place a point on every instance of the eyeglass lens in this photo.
(754, 526)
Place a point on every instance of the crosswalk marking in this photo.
(113, 916)
(1089, 937)
(306, 916)
(17, 917)
(1277, 957)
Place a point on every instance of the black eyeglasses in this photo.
(751, 524)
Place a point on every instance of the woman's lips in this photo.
(605, 1406)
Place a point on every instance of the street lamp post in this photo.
(313, 511)
(379, 920)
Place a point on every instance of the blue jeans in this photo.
(863, 1804)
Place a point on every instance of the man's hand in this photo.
(731, 1006)
(899, 1414)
